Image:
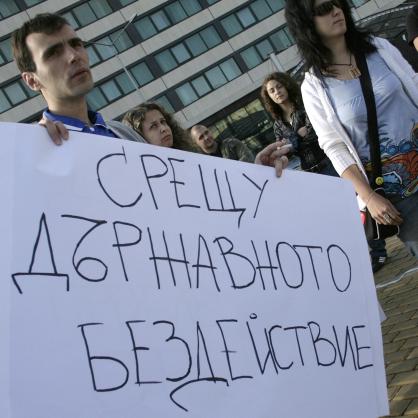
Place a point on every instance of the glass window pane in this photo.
(175, 12)
(201, 86)
(29, 92)
(216, 77)
(160, 20)
(125, 2)
(276, 5)
(104, 48)
(110, 90)
(6, 49)
(96, 99)
(4, 103)
(8, 8)
(261, 9)
(142, 73)
(191, 6)
(211, 37)
(181, 53)
(165, 103)
(15, 93)
(186, 94)
(100, 7)
(30, 3)
(84, 14)
(264, 48)
(125, 83)
(231, 25)
(196, 45)
(145, 28)
(230, 69)
(211, 2)
(166, 61)
(251, 57)
(246, 17)
(123, 41)
(93, 56)
(71, 20)
(280, 40)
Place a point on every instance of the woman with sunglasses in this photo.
(280, 95)
(329, 42)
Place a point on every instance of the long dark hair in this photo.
(136, 116)
(299, 17)
(293, 91)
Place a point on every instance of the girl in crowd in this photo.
(329, 42)
(281, 97)
(158, 127)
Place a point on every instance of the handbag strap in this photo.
(373, 133)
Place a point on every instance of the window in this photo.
(276, 5)
(186, 94)
(210, 37)
(30, 3)
(166, 61)
(165, 103)
(110, 90)
(176, 12)
(4, 103)
(180, 52)
(251, 57)
(121, 40)
(95, 99)
(13, 94)
(246, 17)
(216, 77)
(231, 25)
(201, 86)
(8, 8)
(141, 73)
(5, 51)
(210, 2)
(145, 28)
(281, 40)
(196, 45)
(125, 2)
(191, 6)
(87, 13)
(230, 69)
(160, 20)
(264, 48)
(261, 9)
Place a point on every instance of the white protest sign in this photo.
(144, 281)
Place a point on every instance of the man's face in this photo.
(204, 139)
(62, 65)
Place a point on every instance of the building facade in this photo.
(204, 60)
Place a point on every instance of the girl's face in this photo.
(277, 92)
(156, 130)
(329, 19)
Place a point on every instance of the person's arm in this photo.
(379, 207)
(243, 152)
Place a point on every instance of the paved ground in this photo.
(400, 330)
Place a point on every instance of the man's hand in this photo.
(274, 155)
(56, 130)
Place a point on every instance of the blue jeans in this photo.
(409, 228)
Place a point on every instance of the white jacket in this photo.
(332, 137)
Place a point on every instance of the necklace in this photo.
(352, 70)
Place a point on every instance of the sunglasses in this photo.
(326, 7)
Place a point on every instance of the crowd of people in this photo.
(324, 121)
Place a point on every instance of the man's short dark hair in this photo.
(47, 23)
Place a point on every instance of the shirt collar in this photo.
(74, 124)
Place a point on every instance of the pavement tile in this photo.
(405, 378)
(398, 407)
(414, 353)
(413, 332)
(403, 366)
(407, 392)
(412, 408)
(399, 356)
(393, 347)
(411, 343)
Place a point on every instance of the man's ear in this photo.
(31, 80)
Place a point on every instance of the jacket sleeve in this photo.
(329, 135)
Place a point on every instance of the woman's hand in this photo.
(303, 131)
(382, 210)
(274, 155)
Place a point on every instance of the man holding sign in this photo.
(54, 62)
